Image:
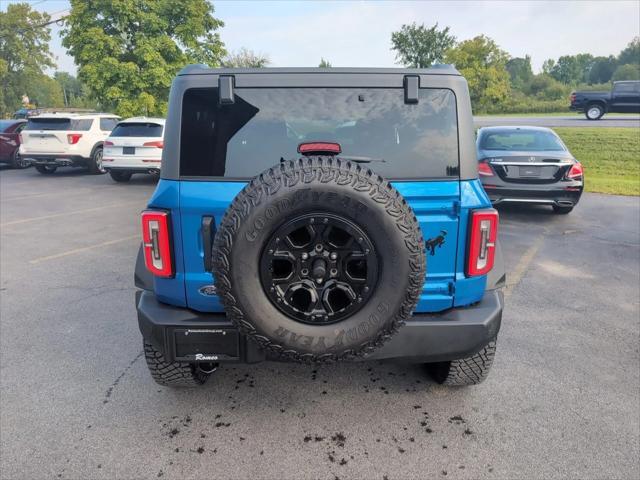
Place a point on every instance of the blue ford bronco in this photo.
(319, 215)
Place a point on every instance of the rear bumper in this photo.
(58, 160)
(449, 335)
(541, 194)
(130, 163)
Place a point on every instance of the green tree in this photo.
(324, 63)
(520, 72)
(483, 64)
(420, 47)
(629, 71)
(46, 92)
(128, 51)
(548, 65)
(24, 53)
(245, 58)
(572, 69)
(602, 69)
(631, 54)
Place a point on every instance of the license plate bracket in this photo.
(525, 171)
(206, 344)
(128, 150)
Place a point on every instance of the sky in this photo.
(357, 33)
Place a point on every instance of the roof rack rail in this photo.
(64, 110)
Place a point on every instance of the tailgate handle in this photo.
(208, 231)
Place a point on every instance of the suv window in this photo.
(35, 123)
(141, 129)
(107, 124)
(373, 125)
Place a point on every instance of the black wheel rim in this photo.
(319, 269)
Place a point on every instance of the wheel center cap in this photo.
(319, 268)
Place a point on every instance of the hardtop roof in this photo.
(438, 69)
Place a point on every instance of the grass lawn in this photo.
(611, 157)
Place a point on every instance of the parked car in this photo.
(53, 140)
(624, 98)
(10, 143)
(528, 165)
(134, 146)
(294, 221)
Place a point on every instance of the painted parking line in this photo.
(83, 249)
(74, 212)
(514, 277)
(63, 193)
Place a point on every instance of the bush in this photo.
(526, 105)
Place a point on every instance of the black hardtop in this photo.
(439, 69)
(438, 77)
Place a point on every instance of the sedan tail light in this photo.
(156, 143)
(575, 172)
(484, 169)
(156, 243)
(107, 143)
(73, 138)
(483, 233)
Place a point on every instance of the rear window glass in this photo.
(518, 141)
(59, 124)
(5, 124)
(107, 124)
(374, 126)
(142, 129)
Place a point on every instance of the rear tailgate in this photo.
(51, 134)
(435, 204)
(531, 168)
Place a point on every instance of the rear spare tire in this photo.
(319, 260)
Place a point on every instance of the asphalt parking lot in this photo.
(76, 400)
(570, 120)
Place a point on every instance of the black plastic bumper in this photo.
(57, 160)
(449, 335)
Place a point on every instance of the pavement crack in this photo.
(115, 383)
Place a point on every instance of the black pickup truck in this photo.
(624, 98)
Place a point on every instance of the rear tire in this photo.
(561, 210)
(120, 176)
(17, 161)
(46, 169)
(95, 163)
(465, 371)
(595, 111)
(172, 374)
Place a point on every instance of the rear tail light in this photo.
(73, 138)
(484, 169)
(575, 172)
(156, 243)
(157, 143)
(483, 233)
(107, 143)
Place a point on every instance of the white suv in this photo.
(134, 146)
(55, 140)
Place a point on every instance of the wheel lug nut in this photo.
(312, 220)
(334, 255)
(319, 280)
(366, 289)
(360, 240)
(325, 220)
(305, 255)
(319, 247)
